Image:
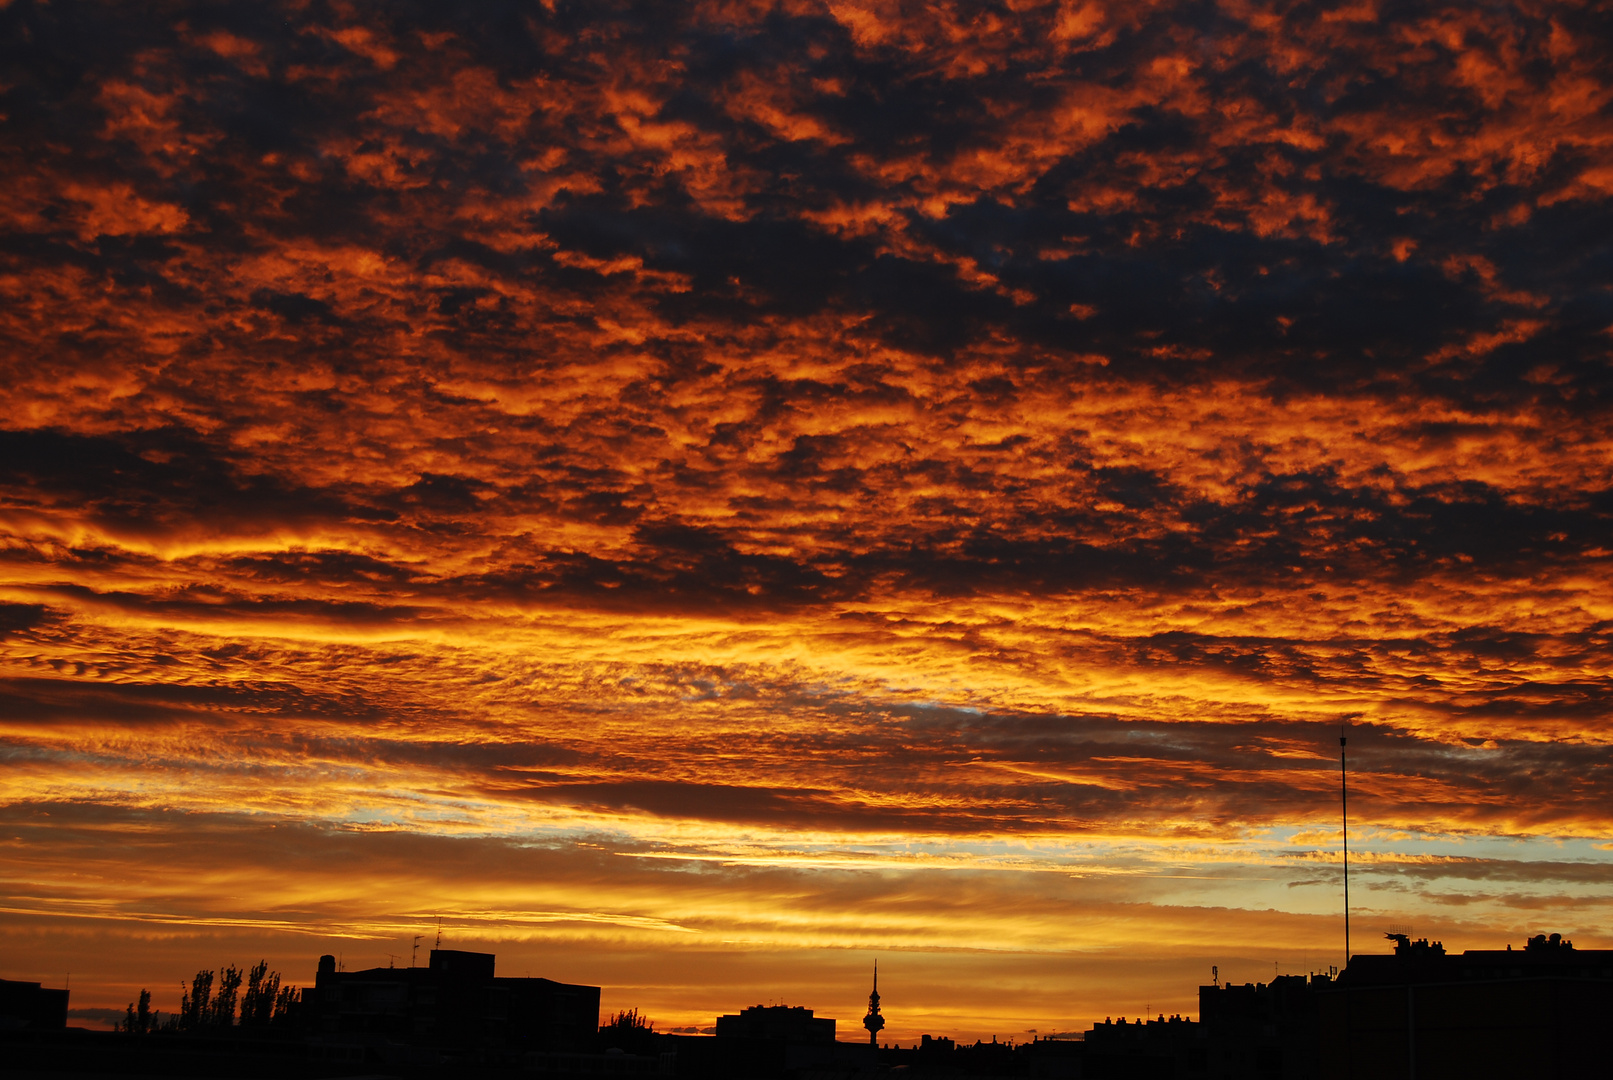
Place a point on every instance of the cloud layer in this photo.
(861, 443)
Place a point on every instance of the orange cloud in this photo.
(772, 462)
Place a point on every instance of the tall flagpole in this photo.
(1344, 811)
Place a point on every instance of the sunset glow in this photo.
(698, 498)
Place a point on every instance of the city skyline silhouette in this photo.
(1419, 1010)
(690, 500)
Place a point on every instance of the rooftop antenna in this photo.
(1344, 813)
(414, 952)
(439, 931)
(392, 960)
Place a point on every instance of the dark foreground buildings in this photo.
(790, 1023)
(28, 1006)
(456, 1001)
(1543, 1011)
(454, 1017)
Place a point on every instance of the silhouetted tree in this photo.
(628, 1020)
(196, 1004)
(203, 1006)
(229, 992)
(262, 994)
(139, 1019)
(284, 1002)
(629, 1030)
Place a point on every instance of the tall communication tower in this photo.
(1344, 811)
(873, 1021)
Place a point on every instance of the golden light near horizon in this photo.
(698, 499)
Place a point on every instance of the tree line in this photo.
(212, 1003)
(629, 1030)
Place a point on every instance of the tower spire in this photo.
(1344, 815)
(873, 1021)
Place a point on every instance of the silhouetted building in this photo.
(455, 1002)
(1541, 1011)
(1266, 1031)
(941, 1057)
(28, 1006)
(791, 1023)
(1157, 1049)
(1054, 1059)
(702, 1057)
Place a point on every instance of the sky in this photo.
(698, 498)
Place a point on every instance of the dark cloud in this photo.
(15, 617)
